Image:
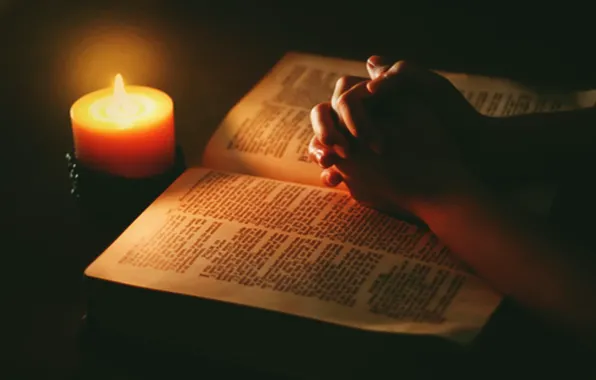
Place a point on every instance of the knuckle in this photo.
(343, 82)
(317, 112)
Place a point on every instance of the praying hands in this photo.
(394, 139)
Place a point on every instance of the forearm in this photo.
(519, 258)
(534, 146)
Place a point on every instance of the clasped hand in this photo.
(387, 137)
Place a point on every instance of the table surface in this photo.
(207, 56)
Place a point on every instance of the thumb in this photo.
(376, 65)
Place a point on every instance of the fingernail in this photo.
(341, 151)
(374, 61)
(332, 179)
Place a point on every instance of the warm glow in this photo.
(123, 109)
(100, 47)
(124, 130)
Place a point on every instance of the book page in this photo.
(297, 249)
(266, 134)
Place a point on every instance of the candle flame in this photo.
(122, 108)
(119, 90)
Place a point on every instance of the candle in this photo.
(127, 131)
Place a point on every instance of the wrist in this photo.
(464, 196)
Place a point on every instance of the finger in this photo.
(351, 111)
(391, 77)
(331, 177)
(432, 87)
(376, 66)
(348, 107)
(325, 126)
(342, 85)
(350, 88)
(322, 154)
(404, 73)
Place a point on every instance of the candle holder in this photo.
(115, 200)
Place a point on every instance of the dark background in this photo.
(206, 55)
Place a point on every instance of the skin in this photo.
(393, 140)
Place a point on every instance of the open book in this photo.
(249, 224)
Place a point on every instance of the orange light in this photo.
(124, 130)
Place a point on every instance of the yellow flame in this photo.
(119, 90)
(122, 108)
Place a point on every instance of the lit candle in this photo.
(124, 131)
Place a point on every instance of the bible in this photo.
(247, 256)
